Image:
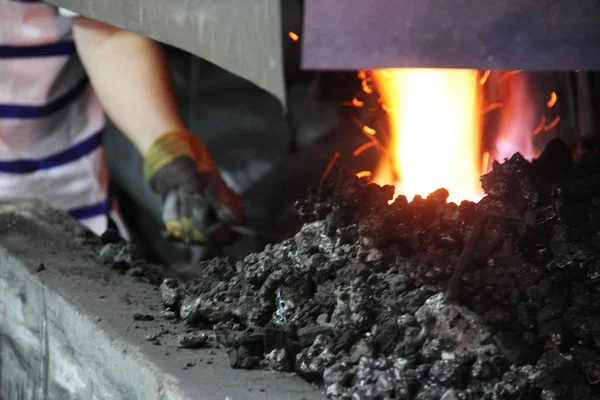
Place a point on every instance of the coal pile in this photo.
(123, 257)
(356, 299)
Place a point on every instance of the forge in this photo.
(355, 300)
(354, 304)
(358, 299)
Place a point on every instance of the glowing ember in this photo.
(434, 117)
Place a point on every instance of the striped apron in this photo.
(50, 120)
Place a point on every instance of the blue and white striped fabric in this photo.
(50, 120)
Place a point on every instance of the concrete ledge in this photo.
(67, 329)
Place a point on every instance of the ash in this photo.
(356, 299)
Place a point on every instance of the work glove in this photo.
(197, 205)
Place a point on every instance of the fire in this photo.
(518, 118)
(435, 129)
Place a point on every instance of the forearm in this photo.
(131, 79)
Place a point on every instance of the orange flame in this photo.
(485, 162)
(435, 131)
(518, 118)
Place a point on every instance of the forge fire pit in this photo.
(356, 298)
(354, 303)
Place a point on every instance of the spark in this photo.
(552, 124)
(491, 107)
(362, 148)
(509, 74)
(540, 127)
(354, 103)
(330, 166)
(357, 102)
(363, 174)
(368, 130)
(485, 77)
(368, 89)
(293, 36)
(377, 144)
(552, 100)
(372, 138)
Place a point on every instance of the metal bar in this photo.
(465, 257)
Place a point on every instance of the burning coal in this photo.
(355, 299)
(436, 135)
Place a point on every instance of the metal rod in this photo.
(465, 258)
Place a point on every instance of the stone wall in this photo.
(67, 329)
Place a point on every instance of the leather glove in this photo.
(197, 205)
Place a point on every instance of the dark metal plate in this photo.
(491, 34)
(243, 37)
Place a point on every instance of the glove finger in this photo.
(171, 215)
(217, 233)
(200, 211)
(231, 210)
(186, 220)
(228, 206)
(215, 190)
(193, 217)
(201, 218)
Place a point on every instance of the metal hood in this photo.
(495, 34)
(243, 37)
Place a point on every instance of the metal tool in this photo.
(247, 231)
(452, 291)
(199, 250)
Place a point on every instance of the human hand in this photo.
(197, 205)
